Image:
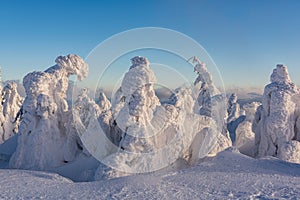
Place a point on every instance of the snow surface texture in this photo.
(9, 108)
(230, 175)
(276, 123)
(42, 132)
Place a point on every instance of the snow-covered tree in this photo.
(10, 106)
(233, 109)
(275, 123)
(244, 136)
(42, 132)
(212, 103)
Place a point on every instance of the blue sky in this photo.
(246, 39)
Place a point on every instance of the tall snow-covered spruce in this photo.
(212, 103)
(42, 132)
(276, 123)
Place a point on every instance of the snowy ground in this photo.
(230, 175)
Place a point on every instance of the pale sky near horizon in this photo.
(246, 39)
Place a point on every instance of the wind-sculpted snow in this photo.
(42, 132)
(275, 123)
(10, 106)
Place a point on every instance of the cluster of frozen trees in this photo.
(144, 134)
(273, 127)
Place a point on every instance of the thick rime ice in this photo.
(134, 106)
(204, 76)
(275, 123)
(44, 114)
(210, 102)
(10, 106)
(244, 136)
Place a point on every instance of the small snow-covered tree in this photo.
(244, 136)
(10, 106)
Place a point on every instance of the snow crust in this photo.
(230, 175)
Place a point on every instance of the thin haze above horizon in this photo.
(246, 39)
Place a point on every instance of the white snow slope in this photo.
(230, 175)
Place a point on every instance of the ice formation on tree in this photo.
(233, 109)
(235, 115)
(103, 102)
(211, 102)
(244, 136)
(276, 123)
(204, 77)
(10, 106)
(42, 132)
